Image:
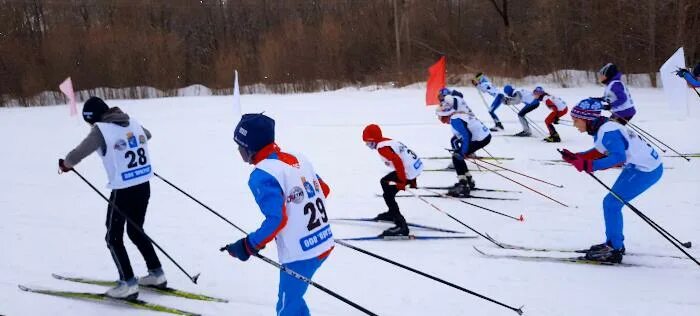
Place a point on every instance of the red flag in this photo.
(436, 81)
(67, 88)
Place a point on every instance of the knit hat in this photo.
(609, 70)
(538, 90)
(588, 109)
(93, 109)
(508, 89)
(254, 132)
(372, 133)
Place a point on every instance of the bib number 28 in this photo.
(311, 208)
(136, 158)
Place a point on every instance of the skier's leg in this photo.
(115, 236)
(138, 204)
(290, 298)
(628, 185)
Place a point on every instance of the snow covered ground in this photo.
(55, 224)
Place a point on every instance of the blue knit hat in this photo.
(588, 109)
(254, 132)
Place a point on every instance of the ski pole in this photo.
(656, 139)
(537, 128)
(522, 174)
(450, 216)
(646, 138)
(284, 269)
(490, 155)
(520, 219)
(133, 224)
(488, 109)
(522, 185)
(450, 284)
(651, 223)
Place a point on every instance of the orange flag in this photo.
(436, 81)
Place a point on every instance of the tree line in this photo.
(305, 45)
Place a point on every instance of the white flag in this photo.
(67, 88)
(675, 88)
(237, 109)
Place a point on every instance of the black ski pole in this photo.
(133, 224)
(646, 219)
(452, 217)
(268, 260)
(520, 219)
(434, 278)
(659, 141)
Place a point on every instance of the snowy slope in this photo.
(55, 223)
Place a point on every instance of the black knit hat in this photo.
(93, 109)
(696, 70)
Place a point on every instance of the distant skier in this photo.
(292, 197)
(482, 83)
(692, 78)
(470, 135)
(526, 97)
(615, 145)
(407, 167)
(122, 143)
(558, 108)
(616, 98)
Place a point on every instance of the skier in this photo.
(616, 98)
(407, 167)
(470, 135)
(482, 83)
(693, 78)
(614, 145)
(558, 108)
(292, 198)
(122, 144)
(514, 97)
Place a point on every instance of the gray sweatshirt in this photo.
(94, 140)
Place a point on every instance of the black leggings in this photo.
(132, 202)
(459, 163)
(389, 195)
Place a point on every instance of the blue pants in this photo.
(290, 298)
(494, 105)
(628, 185)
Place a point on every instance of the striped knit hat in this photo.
(588, 109)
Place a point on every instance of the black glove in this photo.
(606, 106)
(681, 72)
(62, 166)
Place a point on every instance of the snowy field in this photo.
(55, 223)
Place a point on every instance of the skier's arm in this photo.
(591, 154)
(270, 198)
(694, 82)
(395, 160)
(620, 95)
(461, 128)
(148, 133)
(614, 142)
(92, 142)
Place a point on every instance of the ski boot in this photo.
(523, 134)
(554, 138)
(385, 217)
(155, 278)
(401, 229)
(598, 247)
(497, 128)
(605, 253)
(461, 189)
(125, 290)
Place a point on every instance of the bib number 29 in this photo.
(136, 158)
(311, 208)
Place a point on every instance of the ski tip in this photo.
(521, 218)
(195, 278)
(22, 287)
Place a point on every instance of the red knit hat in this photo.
(372, 133)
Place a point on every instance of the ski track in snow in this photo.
(55, 223)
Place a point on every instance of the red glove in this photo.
(401, 185)
(62, 166)
(568, 156)
(582, 164)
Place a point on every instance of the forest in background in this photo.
(305, 45)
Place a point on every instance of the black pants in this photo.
(389, 195)
(458, 161)
(132, 202)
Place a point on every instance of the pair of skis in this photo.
(133, 303)
(409, 237)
